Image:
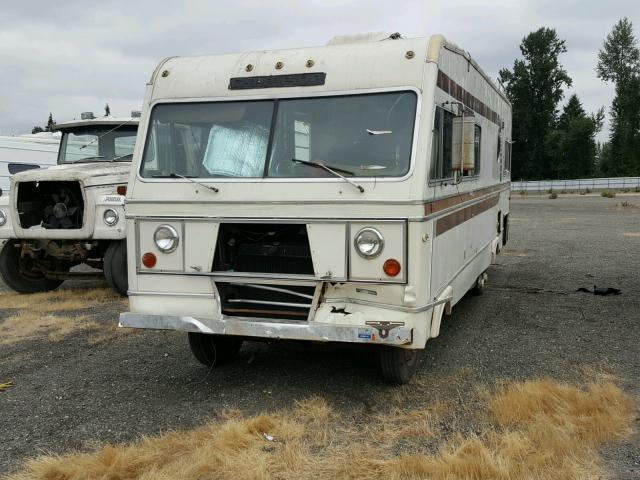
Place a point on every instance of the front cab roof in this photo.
(101, 121)
(349, 65)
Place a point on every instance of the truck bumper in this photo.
(271, 329)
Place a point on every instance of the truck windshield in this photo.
(357, 135)
(97, 143)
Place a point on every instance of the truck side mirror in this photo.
(463, 143)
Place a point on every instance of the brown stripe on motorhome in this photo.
(447, 202)
(454, 219)
(450, 86)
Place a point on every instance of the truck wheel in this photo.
(17, 274)
(214, 350)
(398, 365)
(115, 266)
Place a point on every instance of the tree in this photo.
(619, 59)
(535, 86)
(572, 145)
(619, 63)
(107, 110)
(37, 129)
(50, 124)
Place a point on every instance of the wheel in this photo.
(398, 365)
(115, 266)
(18, 274)
(481, 282)
(214, 350)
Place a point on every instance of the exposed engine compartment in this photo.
(268, 249)
(51, 205)
(263, 248)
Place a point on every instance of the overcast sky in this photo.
(73, 56)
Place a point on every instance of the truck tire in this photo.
(214, 350)
(16, 275)
(398, 365)
(115, 266)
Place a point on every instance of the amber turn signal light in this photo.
(149, 260)
(121, 189)
(391, 267)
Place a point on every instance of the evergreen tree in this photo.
(572, 145)
(619, 63)
(37, 129)
(107, 110)
(535, 86)
(50, 124)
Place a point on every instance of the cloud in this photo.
(74, 56)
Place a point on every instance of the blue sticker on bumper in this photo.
(364, 333)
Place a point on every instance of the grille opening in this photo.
(51, 205)
(263, 248)
(265, 301)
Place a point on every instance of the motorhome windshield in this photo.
(356, 135)
(97, 143)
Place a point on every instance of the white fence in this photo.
(615, 183)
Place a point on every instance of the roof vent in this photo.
(87, 116)
(136, 113)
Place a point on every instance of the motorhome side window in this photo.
(442, 144)
(477, 150)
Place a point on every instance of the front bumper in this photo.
(271, 329)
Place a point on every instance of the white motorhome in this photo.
(345, 193)
(71, 213)
(24, 152)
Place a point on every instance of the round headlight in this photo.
(369, 242)
(110, 217)
(166, 238)
(3, 217)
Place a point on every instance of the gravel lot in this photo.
(108, 385)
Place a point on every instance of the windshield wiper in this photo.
(189, 179)
(332, 170)
(87, 159)
(121, 157)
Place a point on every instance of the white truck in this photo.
(72, 213)
(346, 193)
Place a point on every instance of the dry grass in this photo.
(535, 430)
(37, 315)
(27, 325)
(59, 300)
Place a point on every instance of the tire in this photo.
(214, 350)
(15, 273)
(115, 266)
(480, 285)
(398, 365)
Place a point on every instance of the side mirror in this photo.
(463, 143)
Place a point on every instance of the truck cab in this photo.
(72, 213)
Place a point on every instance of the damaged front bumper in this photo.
(274, 329)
